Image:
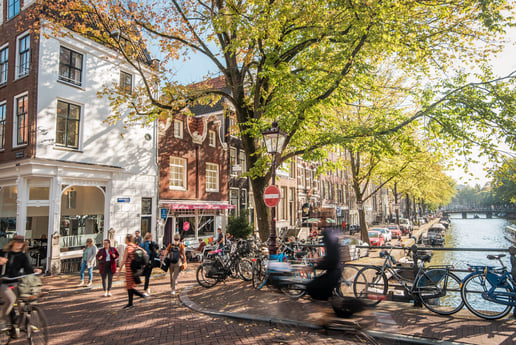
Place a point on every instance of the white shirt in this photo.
(108, 257)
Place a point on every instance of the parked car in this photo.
(355, 252)
(387, 236)
(376, 238)
(406, 226)
(395, 230)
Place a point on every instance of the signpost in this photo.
(271, 196)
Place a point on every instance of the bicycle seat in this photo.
(495, 257)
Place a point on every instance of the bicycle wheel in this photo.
(349, 273)
(370, 285)
(473, 289)
(36, 327)
(201, 275)
(245, 269)
(260, 274)
(439, 290)
(4, 337)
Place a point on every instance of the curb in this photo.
(183, 297)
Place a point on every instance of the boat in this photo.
(510, 233)
(434, 236)
(476, 216)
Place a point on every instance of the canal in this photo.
(472, 233)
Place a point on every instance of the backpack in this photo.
(140, 259)
(174, 255)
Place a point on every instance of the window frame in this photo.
(4, 73)
(16, 125)
(13, 3)
(68, 79)
(184, 181)
(3, 109)
(128, 90)
(209, 187)
(68, 119)
(178, 124)
(212, 138)
(21, 61)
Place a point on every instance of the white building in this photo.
(64, 172)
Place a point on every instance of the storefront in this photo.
(194, 220)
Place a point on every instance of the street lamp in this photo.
(274, 140)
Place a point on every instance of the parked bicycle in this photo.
(436, 286)
(489, 292)
(26, 316)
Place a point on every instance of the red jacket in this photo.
(113, 254)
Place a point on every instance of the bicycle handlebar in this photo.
(18, 277)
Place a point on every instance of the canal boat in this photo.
(510, 233)
(434, 236)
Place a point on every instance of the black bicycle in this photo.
(26, 316)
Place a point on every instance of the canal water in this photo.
(472, 233)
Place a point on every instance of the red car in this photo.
(376, 238)
(395, 230)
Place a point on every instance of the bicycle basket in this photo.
(431, 277)
(29, 286)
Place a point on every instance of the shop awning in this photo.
(188, 206)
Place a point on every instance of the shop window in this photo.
(39, 193)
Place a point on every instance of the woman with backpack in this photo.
(177, 258)
(130, 283)
(150, 247)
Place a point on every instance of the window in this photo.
(242, 162)
(212, 138)
(178, 129)
(22, 126)
(23, 55)
(212, 177)
(67, 126)
(13, 8)
(126, 82)
(4, 58)
(177, 173)
(146, 216)
(2, 126)
(70, 66)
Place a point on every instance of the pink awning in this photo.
(201, 207)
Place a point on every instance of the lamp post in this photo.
(274, 140)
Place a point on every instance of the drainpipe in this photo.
(197, 172)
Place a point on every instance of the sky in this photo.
(198, 66)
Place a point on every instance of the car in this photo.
(395, 230)
(406, 225)
(353, 243)
(376, 238)
(386, 233)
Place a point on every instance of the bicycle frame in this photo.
(498, 277)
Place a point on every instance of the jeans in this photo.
(107, 279)
(84, 266)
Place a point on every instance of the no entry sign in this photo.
(271, 196)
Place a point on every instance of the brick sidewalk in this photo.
(83, 316)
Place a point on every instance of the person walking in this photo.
(177, 258)
(107, 257)
(130, 283)
(150, 247)
(88, 261)
(138, 240)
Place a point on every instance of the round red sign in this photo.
(271, 196)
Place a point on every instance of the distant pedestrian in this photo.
(107, 257)
(150, 247)
(88, 261)
(220, 239)
(138, 240)
(177, 258)
(129, 274)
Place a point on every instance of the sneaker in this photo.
(109, 294)
(81, 283)
(128, 307)
(89, 283)
(146, 294)
(105, 294)
(173, 292)
(148, 291)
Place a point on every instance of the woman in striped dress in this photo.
(129, 275)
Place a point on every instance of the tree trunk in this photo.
(364, 234)
(262, 211)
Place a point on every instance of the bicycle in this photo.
(436, 287)
(26, 316)
(490, 292)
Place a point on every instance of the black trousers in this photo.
(147, 273)
(107, 279)
(131, 293)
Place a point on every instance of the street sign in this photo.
(123, 200)
(164, 213)
(271, 196)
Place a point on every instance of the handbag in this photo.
(183, 266)
(165, 264)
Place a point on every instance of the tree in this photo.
(290, 60)
(239, 226)
(504, 185)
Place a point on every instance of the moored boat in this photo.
(510, 233)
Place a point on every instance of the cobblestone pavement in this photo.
(84, 316)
